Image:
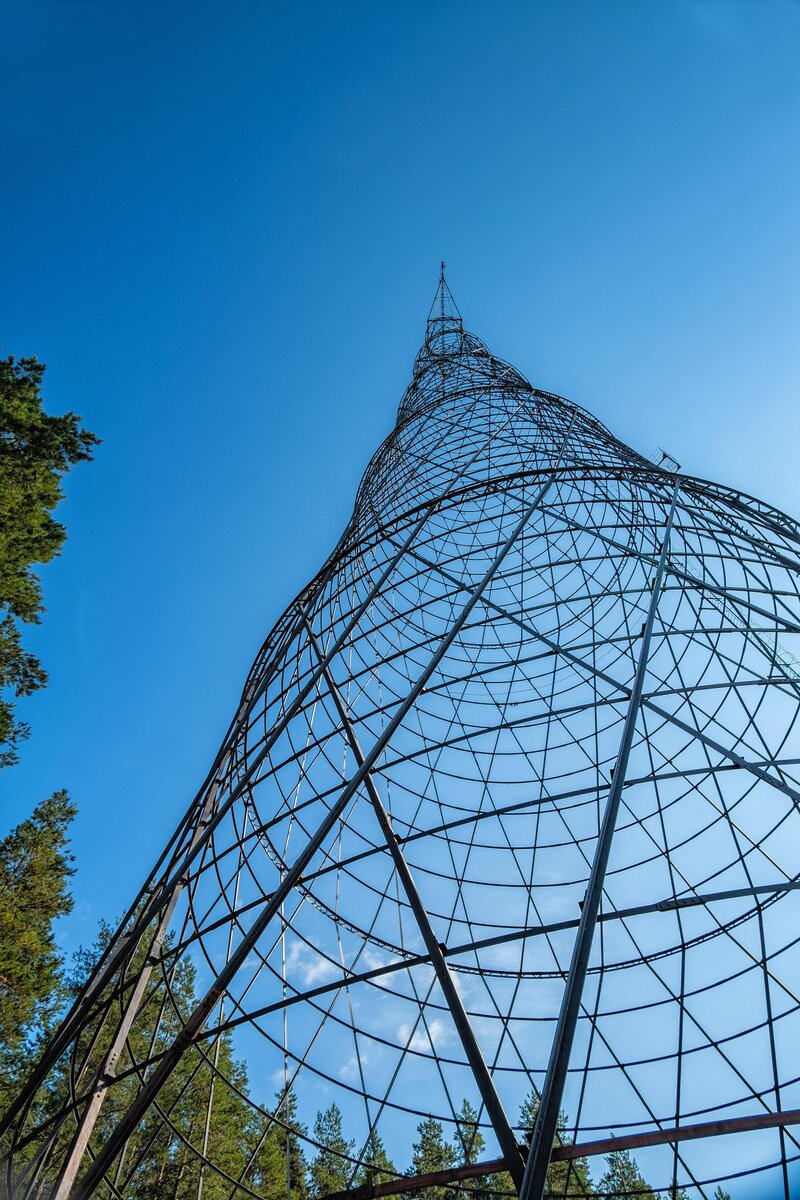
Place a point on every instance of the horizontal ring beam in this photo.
(571, 1151)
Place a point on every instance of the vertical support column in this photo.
(106, 1072)
(535, 1177)
(494, 1107)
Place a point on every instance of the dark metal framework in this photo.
(510, 803)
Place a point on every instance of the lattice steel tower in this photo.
(509, 805)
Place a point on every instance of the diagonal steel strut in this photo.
(494, 1107)
(105, 1074)
(544, 1132)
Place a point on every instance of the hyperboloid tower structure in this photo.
(507, 814)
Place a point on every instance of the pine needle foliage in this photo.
(623, 1180)
(431, 1152)
(35, 870)
(36, 452)
(331, 1167)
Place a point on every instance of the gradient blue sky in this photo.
(222, 225)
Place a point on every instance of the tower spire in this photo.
(444, 317)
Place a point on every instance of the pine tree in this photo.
(721, 1194)
(377, 1167)
(469, 1141)
(331, 1168)
(161, 1160)
(431, 1153)
(35, 869)
(469, 1144)
(565, 1177)
(623, 1180)
(36, 450)
(280, 1170)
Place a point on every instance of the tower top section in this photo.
(452, 361)
(445, 327)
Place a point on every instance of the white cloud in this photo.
(349, 1071)
(437, 1032)
(311, 966)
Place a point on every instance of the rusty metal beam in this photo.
(544, 1130)
(571, 1151)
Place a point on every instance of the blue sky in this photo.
(222, 228)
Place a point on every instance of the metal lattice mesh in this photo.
(464, 663)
